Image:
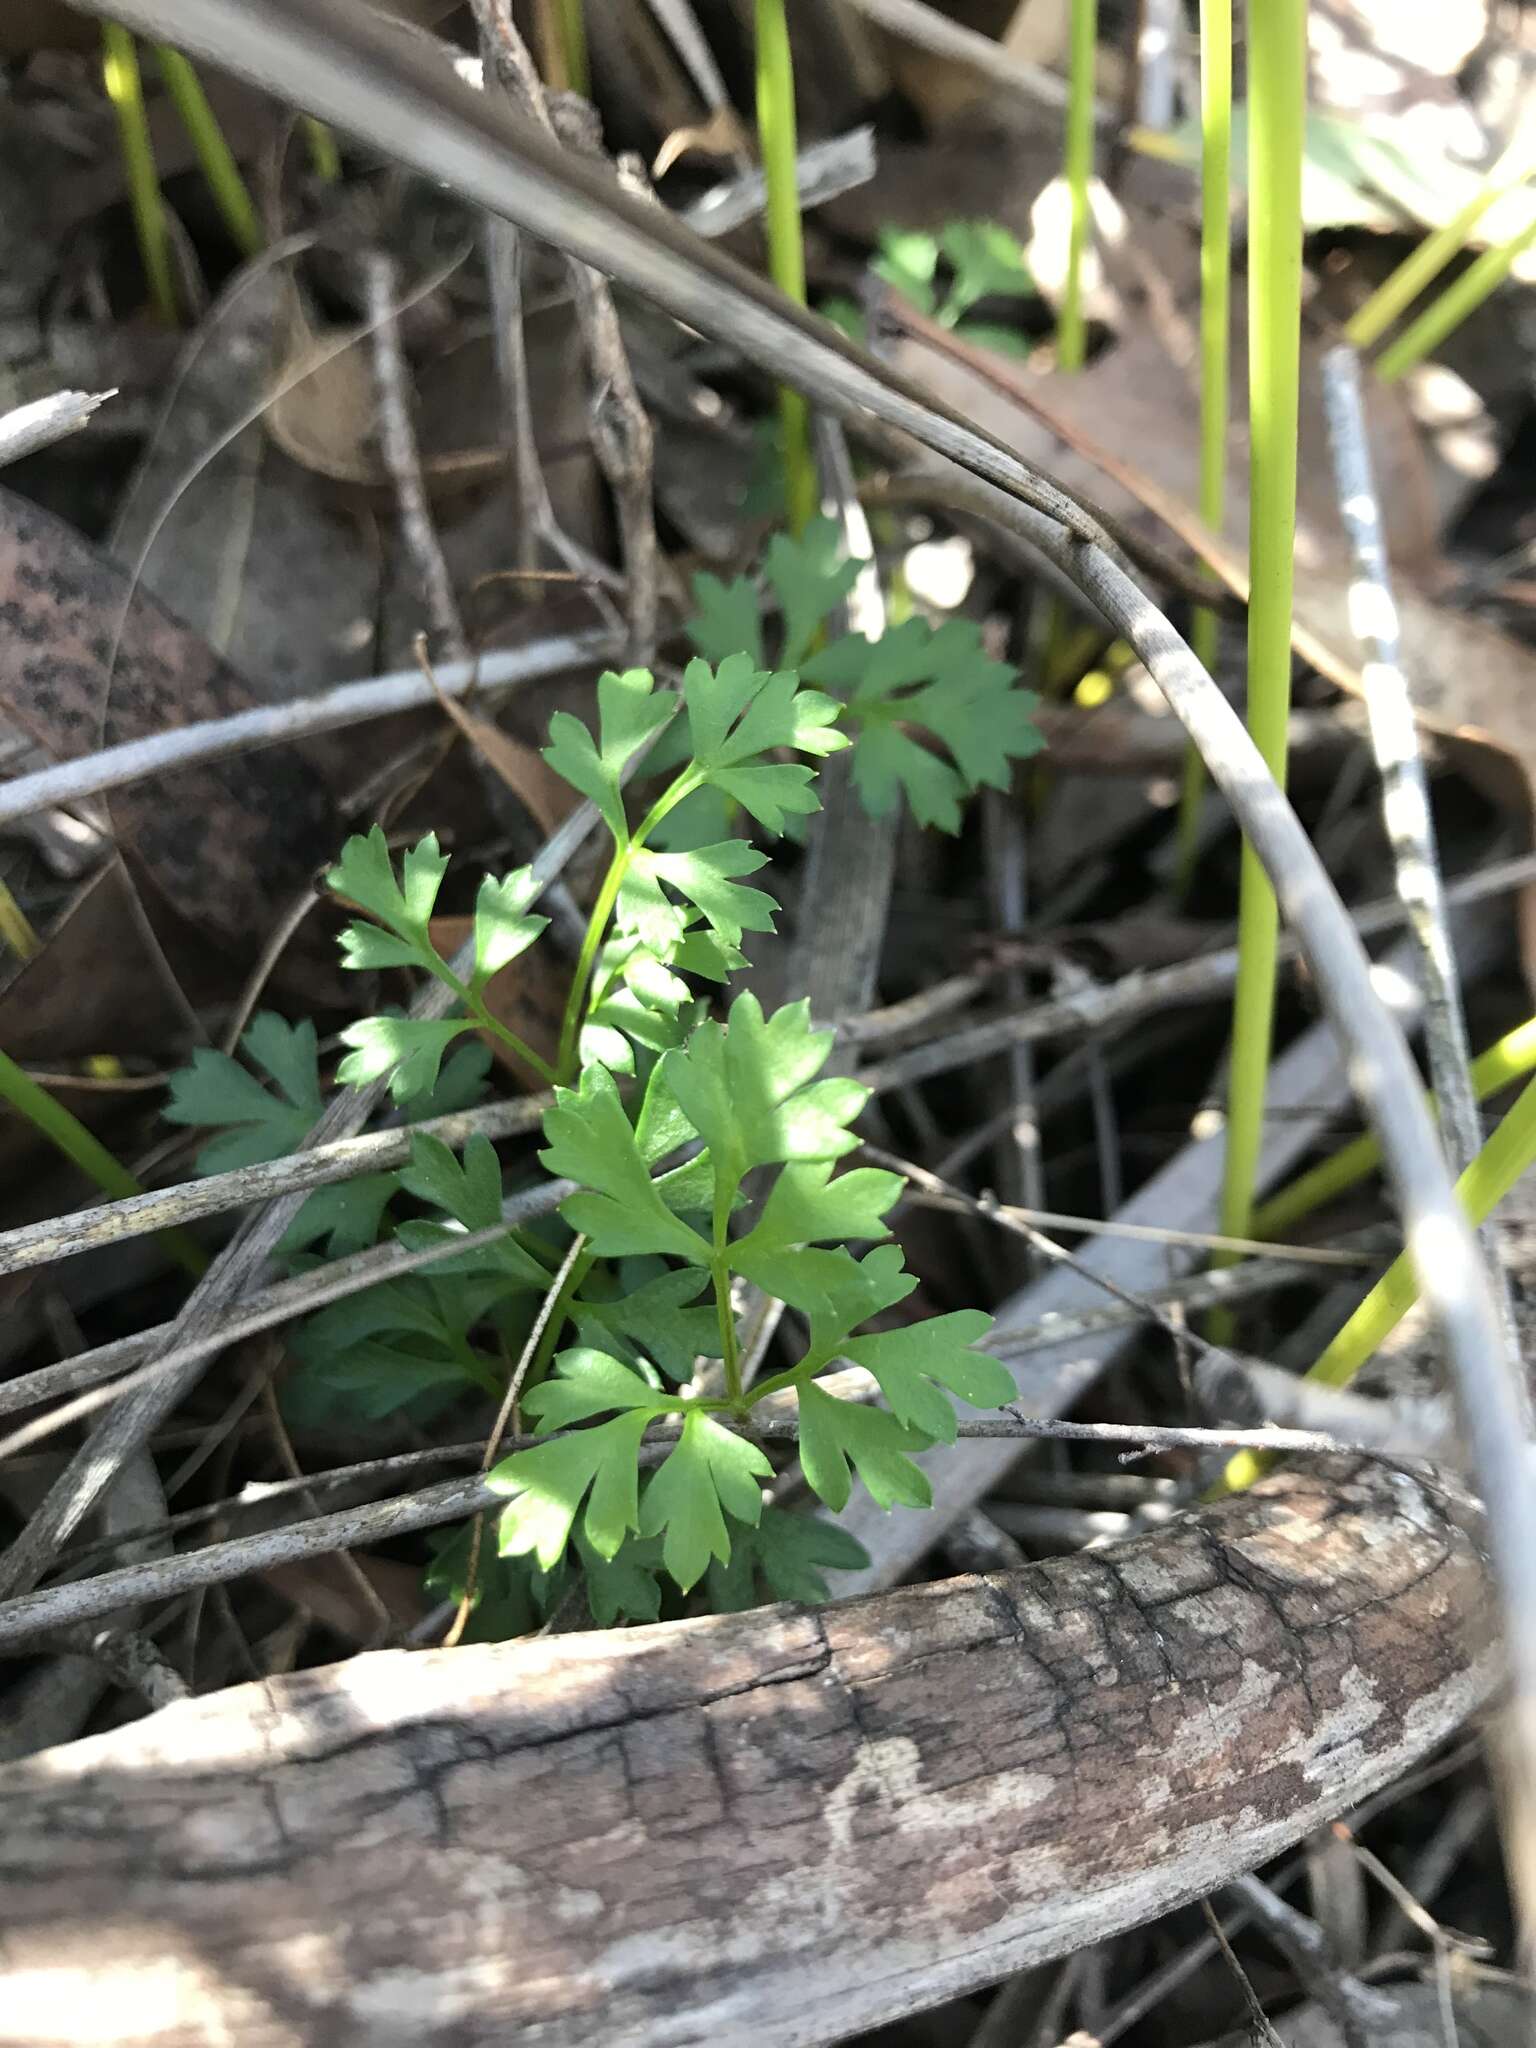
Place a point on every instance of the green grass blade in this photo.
(1071, 329)
(1423, 336)
(1215, 359)
(786, 246)
(236, 207)
(1508, 1154)
(573, 46)
(1416, 272)
(125, 89)
(1277, 69)
(1504, 1061)
(324, 156)
(51, 1120)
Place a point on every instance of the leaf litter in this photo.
(935, 712)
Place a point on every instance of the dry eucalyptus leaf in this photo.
(1469, 681)
(248, 549)
(96, 985)
(92, 665)
(544, 795)
(324, 414)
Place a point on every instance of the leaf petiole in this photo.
(682, 785)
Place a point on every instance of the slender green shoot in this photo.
(1509, 1153)
(1215, 359)
(1417, 271)
(15, 927)
(1277, 70)
(1504, 1061)
(125, 89)
(51, 1120)
(324, 156)
(1056, 634)
(1071, 329)
(573, 46)
(786, 245)
(1440, 319)
(231, 195)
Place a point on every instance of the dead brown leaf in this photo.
(325, 1590)
(544, 795)
(1469, 681)
(96, 985)
(323, 412)
(88, 668)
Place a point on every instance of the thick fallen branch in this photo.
(780, 1826)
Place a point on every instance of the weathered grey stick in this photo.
(781, 1826)
(130, 1423)
(27, 428)
(402, 454)
(83, 1230)
(1405, 805)
(823, 171)
(212, 739)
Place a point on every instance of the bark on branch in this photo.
(772, 1828)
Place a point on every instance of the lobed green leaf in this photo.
(710, 1474)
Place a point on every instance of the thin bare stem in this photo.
(215, 739)
(295, 1173)
(402, 455)
(1406, 811)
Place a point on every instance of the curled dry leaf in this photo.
(544, 795)
(324, 411)
(91, 665)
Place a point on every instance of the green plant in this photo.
(125, 89)
(786, 243)
(571, 40)
(220, 171)
(1423, 265)
(268, 1113)
(1215, 355)
(1505, 1060)
(65, 1132)
(1509, 1153)
(916, 678)
(1071, 330)
(1445, 314)
(1277, 71)
(409, 1050)
(947, 275)
(324, 155)
(705, 1154)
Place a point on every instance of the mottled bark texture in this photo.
(771, 1828)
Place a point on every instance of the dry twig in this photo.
(46, 420)
(402, 455)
